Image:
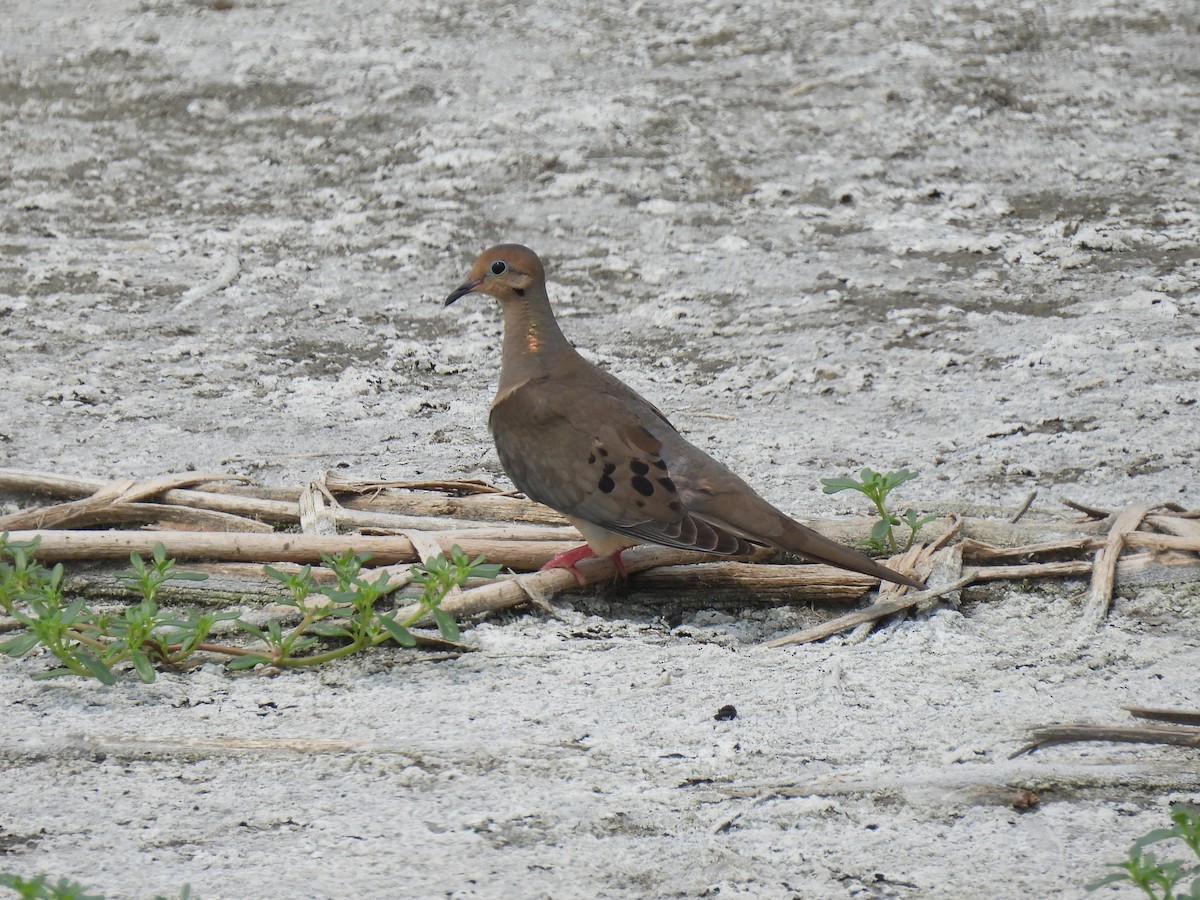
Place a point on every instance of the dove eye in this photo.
(499, 267)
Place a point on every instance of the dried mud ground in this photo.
(960, 237)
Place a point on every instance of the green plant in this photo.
(347, 609)
(19, 573)
(1159, 879)
(876, 487)
(40, 888)
(90, 644)
(85, 642)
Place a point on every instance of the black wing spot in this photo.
(602, 451)
(609, 468)
(638, 467)
(641, 504)
(674, 506)
(661, 464)
(642, 486)
(591, 459)
(668, 484)
(607, 484)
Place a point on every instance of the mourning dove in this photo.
(579, 440)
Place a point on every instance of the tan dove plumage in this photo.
(579, 440)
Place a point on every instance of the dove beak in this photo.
(463, 289)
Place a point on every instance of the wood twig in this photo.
(106, 494)
(872, 613)
(1024, 507)
(1175, 716)
(1091, 512)
(881, 609)
(541, 586)
(1179, 736)
(339, 484)
(56, 546)
(1104, 569)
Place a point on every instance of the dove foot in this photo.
(571, 557)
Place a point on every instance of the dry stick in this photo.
(1104, 569)
(1178, 716)
(124, 490)
(287, 511)
(917, 560)
(315, 515)
(1179, 736)
(161, 514)
(819, 583)
(269, 548)
(880, 609)
(1162, 542)
(355, 486)
(875, 611)
(977, 550)
(483, 507)
(1024, 507)
(690, 584)
(1090, 511)
(1182, 525)
(540, 587)
(280, 504)
(924, 559)
(29, 481)
(1139, 540)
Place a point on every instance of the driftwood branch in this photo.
(1175, 716)
(1104, 570)
(62, 546)
(1178, 736)
(1183, 732)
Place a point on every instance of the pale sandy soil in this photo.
(961, 237)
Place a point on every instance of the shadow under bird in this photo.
(579, 440)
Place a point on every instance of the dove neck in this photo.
(533, 343)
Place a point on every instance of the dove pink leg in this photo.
(571, 557)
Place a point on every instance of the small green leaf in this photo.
(251, 630)
(98, 669)
(246, 662)
(399, 633)
(895, 479)
(329, 629)
(1154, 836)
(272, 572)
(142, 665)
(447, 627)
(833, 485)
(20, 645)
(1111, 878)
(881, 531)
(301, 645)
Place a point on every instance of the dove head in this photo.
(506, 272)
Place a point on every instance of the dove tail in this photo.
(798, 539)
